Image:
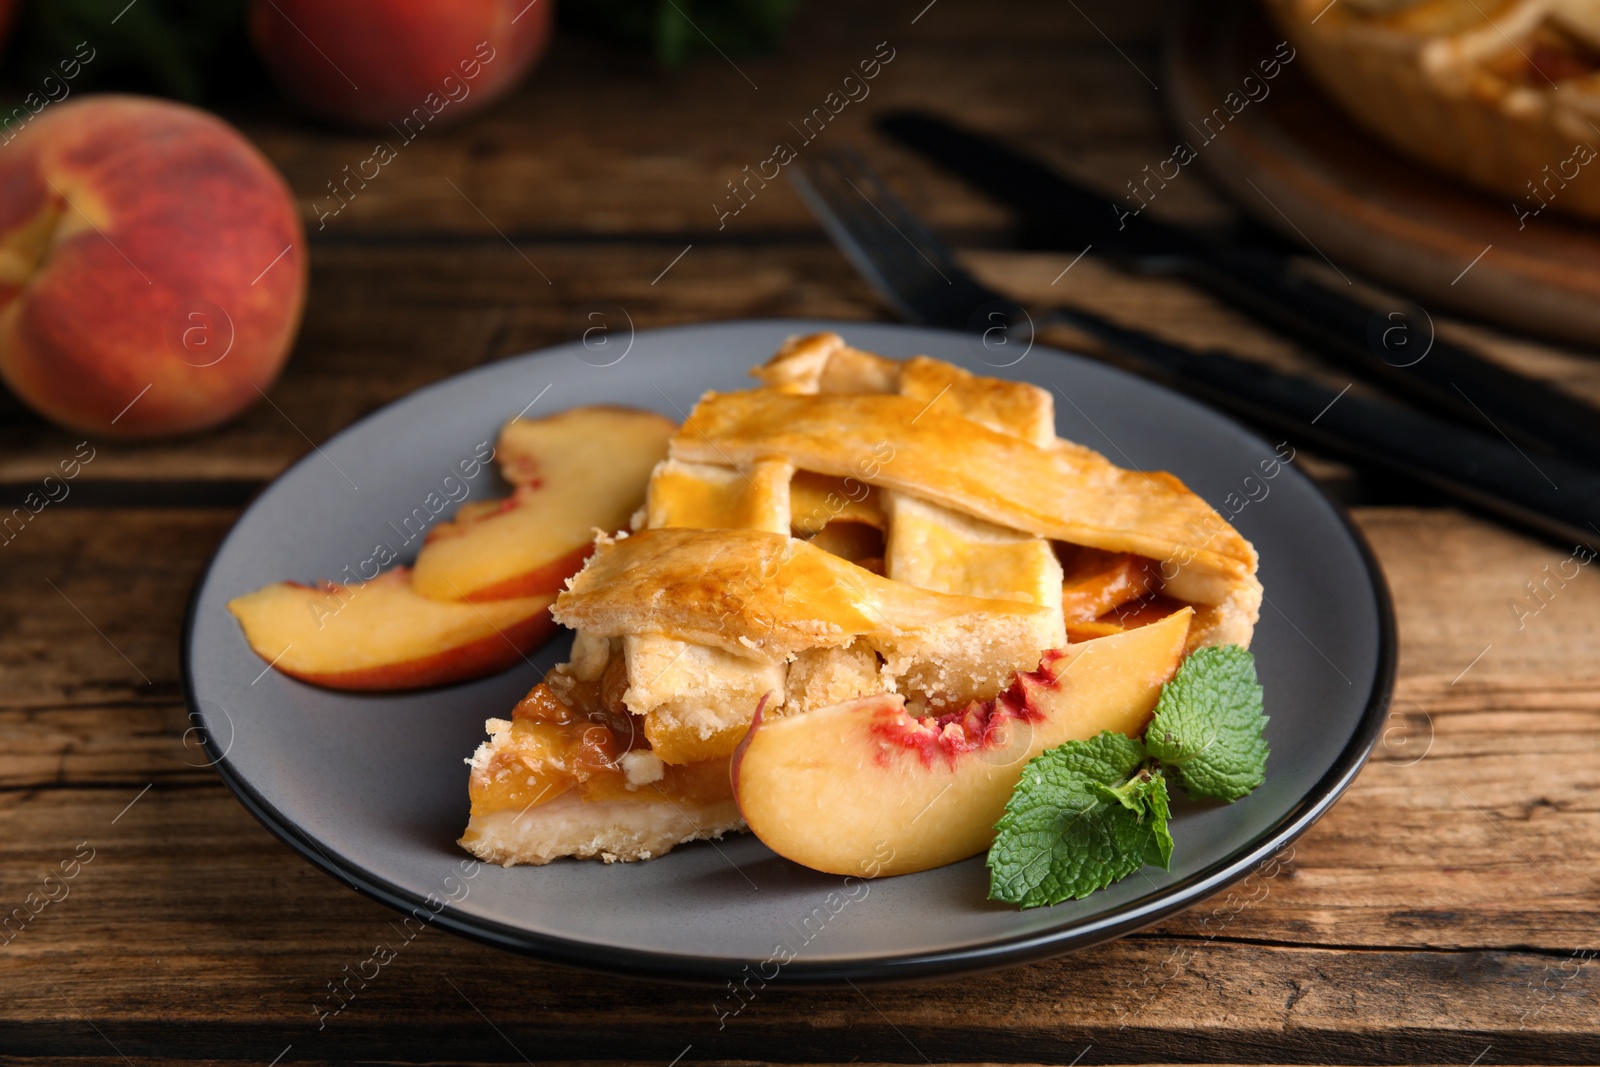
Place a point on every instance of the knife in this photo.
(912, 269)
(1396, 348)
(1548, 495)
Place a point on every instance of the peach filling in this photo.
(556, 746)
(857, 542)
(1556, 59)
(1105, 593)
(1547, 59)
(1096, 582)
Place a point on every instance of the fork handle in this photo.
(1549, 495)
(1431, 371)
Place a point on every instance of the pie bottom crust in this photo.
(612, 830)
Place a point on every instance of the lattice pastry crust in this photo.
(1504, 94)
(855, 525)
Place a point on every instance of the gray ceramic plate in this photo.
(374, 790)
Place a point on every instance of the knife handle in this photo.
(1397, 350)
(1550, 495)
(1448, 378)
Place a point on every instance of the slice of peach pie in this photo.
(859, 598)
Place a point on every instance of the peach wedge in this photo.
(573, 472)
(382, 634)
(864, 788)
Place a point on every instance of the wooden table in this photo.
(1444, 912)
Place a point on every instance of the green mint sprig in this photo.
(1089, 813)
(1208, 724)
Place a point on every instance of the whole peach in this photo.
(152, 267)
(375, 62)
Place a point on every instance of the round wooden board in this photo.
(1300, 166)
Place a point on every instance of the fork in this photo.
(921, 281)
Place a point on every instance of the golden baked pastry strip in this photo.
(752, 593)
(1059, 493)
(1226, 606)
(696, 699)
(925, 545)
(815, 500)
(823, 363)
(708, 496)
(933, 547)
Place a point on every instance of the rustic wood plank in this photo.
(1458, 851)
(1440, 913)
(599, 141)
(121, 588)
(99, 744)
(384, 322)
(149, 1061)
(183, 894)
(1463, 584)
(92, 609)
(1471, 831)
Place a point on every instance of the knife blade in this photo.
(919, 277)
(1550, 495)
(1397, 347)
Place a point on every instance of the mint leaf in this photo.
(1084, 815)
(1208, 724)
(1145, 794)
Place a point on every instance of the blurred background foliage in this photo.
(193, 50)
(198, 51)
(680, 30)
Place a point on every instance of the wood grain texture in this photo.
(187, 910)
(585, 184)
(1443, 912)
(601, 142)
(385, 321)
(1434, 911)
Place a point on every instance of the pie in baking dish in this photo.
(1504, 94)
(899, 552)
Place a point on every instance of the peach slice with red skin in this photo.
(575, 471)
(838, 788)
(383, 634)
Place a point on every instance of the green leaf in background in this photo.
(198, 50)
(1084, 815)
(1208, 724)
(193, 50)
(679, 30)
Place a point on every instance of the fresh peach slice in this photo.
(581, 469)
(840, 788)
(383, 634)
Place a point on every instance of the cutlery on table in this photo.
(1396, 348)
(922, 281)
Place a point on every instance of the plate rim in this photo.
(1124, 919)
